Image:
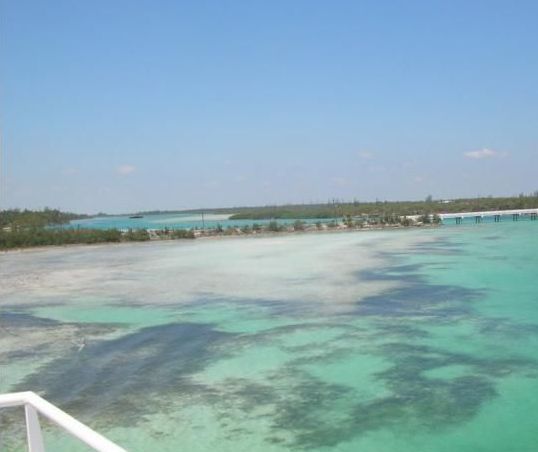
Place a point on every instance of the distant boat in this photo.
(137, 216)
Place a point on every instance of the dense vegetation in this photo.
(26, 228)
(336, 209)
(28, 237)
(175, 234)
(36, 218)
(339, 208)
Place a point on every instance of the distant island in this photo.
(31, 228)
(334, 208)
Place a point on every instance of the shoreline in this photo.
(220, 236)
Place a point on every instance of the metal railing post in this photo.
(33, 430)
(35, 405)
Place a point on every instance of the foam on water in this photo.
(384, 341)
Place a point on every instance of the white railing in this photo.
(34, 405)
(489, 213)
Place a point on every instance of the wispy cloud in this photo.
(366, 155)
(124, 170)
(483, 154)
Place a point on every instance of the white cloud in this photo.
(365, 155)
(483, 154)
(124, 170)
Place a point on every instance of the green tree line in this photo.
(36, 236)
(36, 218)
(384, 209)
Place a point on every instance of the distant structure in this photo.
(497, 215)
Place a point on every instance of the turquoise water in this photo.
(190, 221)
(371, 341)
(170, 221)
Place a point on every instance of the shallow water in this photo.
(371, 341)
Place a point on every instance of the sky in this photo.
(128, 105)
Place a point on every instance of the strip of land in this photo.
(26, 228)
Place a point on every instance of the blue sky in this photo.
(121, 105)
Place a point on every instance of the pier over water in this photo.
(495, 216)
